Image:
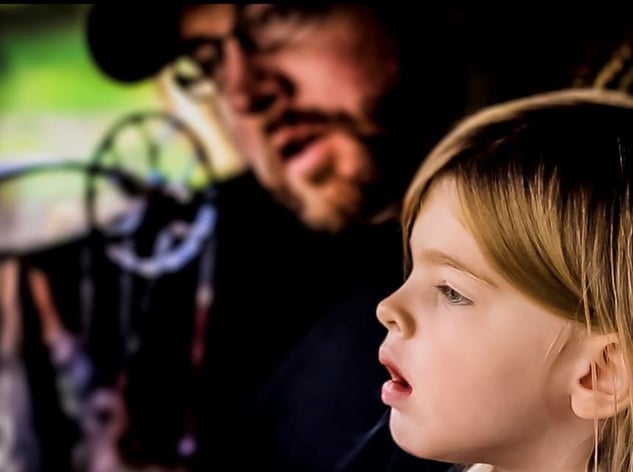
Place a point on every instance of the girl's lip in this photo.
(397, 389)
(395, 374)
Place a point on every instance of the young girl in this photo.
(510, 344)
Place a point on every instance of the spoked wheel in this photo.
(163, 224)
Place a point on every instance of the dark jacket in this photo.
(309, 356)
(290, 370)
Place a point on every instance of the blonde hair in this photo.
(545, 186)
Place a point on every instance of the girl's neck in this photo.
(492, 468)
(557, 450)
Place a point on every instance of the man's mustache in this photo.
(338, 120)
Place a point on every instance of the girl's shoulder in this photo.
(480, 468)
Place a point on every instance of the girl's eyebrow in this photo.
(437, 257)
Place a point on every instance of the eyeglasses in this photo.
(195, 70)
(267, 30)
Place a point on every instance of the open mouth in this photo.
(294, 147)
(399, 383)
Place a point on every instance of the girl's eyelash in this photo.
(452, 296)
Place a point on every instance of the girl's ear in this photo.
(601, 385)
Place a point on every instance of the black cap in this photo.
(132, 42)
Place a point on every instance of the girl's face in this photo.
(480, 373)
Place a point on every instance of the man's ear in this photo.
(601, 386)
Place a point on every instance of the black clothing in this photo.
(306, 387)
(290, 368)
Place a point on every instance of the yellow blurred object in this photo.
(204, 119)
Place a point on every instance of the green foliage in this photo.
(49, 69)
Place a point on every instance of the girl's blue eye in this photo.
(452, 296)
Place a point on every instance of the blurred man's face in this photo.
(301, 89)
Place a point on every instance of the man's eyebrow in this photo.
(437, 257)
(259, 15)
(262, 14)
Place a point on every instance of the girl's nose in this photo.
(394, 318)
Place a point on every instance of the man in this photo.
(317, 98)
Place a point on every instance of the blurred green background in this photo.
(54, 103)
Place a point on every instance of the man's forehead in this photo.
(251, 10)
(207, 20)
(271, 26)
